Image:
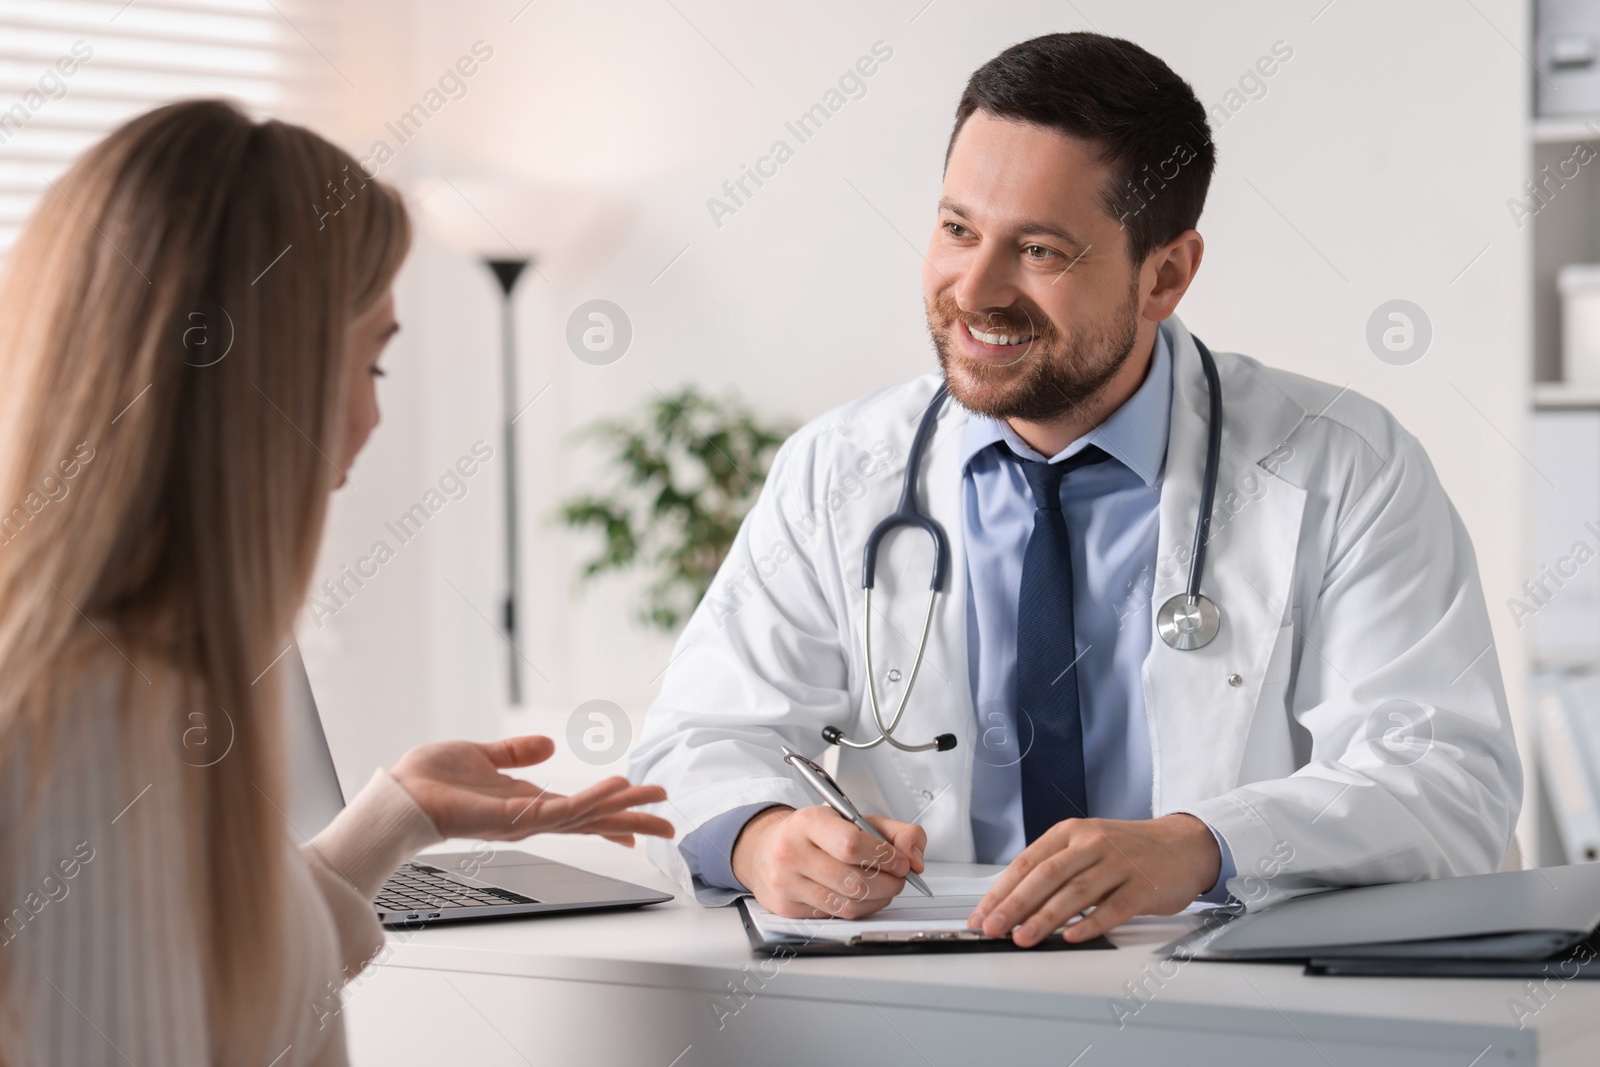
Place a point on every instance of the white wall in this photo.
(1375, 166)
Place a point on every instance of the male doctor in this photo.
(1346, 725)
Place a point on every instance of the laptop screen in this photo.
(314, 794)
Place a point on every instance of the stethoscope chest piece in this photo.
(1188, 622)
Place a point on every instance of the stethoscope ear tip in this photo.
(833, 735)
(945, 742)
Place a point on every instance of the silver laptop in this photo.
(491, 881)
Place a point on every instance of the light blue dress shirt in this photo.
(1112, 510)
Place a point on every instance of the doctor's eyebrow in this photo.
(1023, 227)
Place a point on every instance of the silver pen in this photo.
(822, 784)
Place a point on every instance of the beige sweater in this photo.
(101, 960)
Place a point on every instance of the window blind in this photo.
(71, 70)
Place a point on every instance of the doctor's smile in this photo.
(998, 340)
(995, 338)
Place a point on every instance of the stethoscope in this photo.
(1185, 622)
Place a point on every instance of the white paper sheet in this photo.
(955, 885)
(953, 899)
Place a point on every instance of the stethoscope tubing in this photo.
(1208, 483)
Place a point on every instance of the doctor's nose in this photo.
(983, 281)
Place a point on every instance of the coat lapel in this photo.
(1200, 703)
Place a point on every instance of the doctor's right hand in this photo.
(809, 863)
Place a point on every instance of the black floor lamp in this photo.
(506, 272)
(568, 227)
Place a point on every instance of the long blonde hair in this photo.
(186, 544)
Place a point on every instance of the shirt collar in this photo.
(1135, 434)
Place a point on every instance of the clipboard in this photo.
(899, 943)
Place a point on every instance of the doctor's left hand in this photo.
(459, 785)
(1121, 868)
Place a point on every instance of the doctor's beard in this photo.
(1057, 374)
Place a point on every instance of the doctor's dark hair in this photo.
(1147, 123)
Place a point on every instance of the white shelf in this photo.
(1548, 667)
(1555, 396)
(1566, 128)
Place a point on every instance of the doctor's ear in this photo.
(1166, 273)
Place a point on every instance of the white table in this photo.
(656, 988)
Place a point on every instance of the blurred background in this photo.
(1399, 190)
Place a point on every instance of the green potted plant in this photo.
(687, 469)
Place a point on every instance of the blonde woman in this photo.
(162, 512)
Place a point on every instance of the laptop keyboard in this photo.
(416, 887)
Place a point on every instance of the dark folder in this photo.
(1531, 923)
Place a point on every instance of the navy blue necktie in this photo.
(1053, 784)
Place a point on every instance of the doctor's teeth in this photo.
(999, 338)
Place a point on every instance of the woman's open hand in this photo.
(459, 785)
